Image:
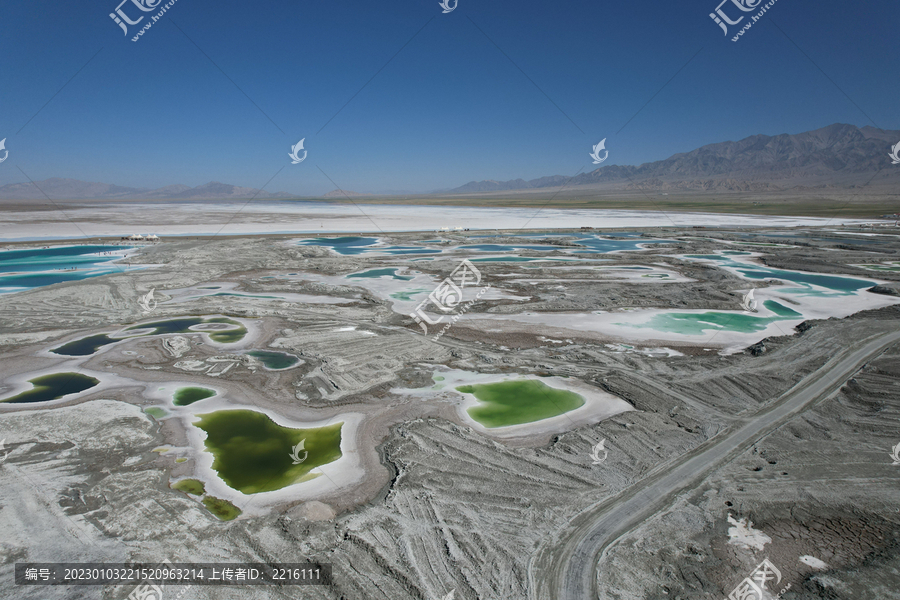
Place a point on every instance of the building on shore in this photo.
(136, 237)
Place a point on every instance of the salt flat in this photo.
(267, 217)
(414, 460)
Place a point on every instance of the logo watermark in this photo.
(596, 153)
(722, 20)
(122, 20)
(296, 159)
(445, 4)
(149, 591)
(748, 302)
(754, 586)
(596, 450)
(5, 156)
(895, 454)
(147, 301)
(447, 297)
(895, 153)
(295, 452)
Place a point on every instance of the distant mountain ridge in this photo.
(835, 156)
(343, 194)
(72, 189)
(838, 156)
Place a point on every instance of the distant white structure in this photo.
(136, 237)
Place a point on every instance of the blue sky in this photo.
(448, 109)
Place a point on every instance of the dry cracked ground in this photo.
(443, 508)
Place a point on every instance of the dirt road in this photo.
(565, 567)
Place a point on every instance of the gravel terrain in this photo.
(789, 436)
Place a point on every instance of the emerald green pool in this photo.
(53, 386)
(190, 486)
(508, 403)
(698, 323)
(222, 509)
(275, 360)
(230, 336)
(252, 453)
(188, 395)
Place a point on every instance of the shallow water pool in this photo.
(253, 454)
(52, 387)
(508, 403)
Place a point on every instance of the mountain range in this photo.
(835, 156)
(67, 189)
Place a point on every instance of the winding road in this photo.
(565, 568)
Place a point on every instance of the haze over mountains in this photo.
(834, 156)
(837, 156)
(68, 189)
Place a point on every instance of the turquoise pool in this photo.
(835, 284)
(698, 323)
(34, 268)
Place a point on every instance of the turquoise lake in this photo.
(838, 285)
(620, 241)
(39, 267)
(342, 245)
(698, 323)
(352, 245)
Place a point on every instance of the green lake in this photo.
(223, 509)
(275, 361)
(188, 395)
(190, 486)
(516, 402)
(53, 386)
(230, 336)
(253, 454)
